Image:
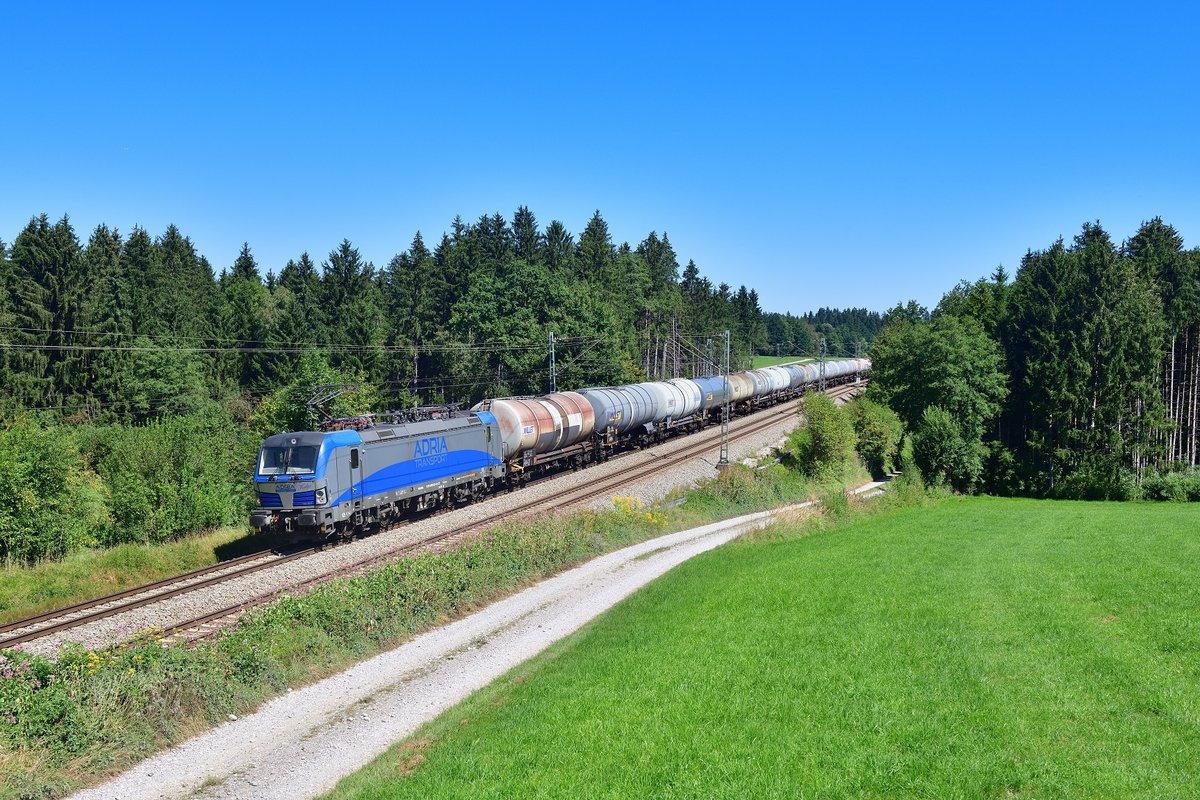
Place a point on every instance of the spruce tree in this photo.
(1157, 253)
(243, 323)
(558, 248)
(141, 262)
(595, 254)
(33, 304)
(353, 305)
(108, 315)
(417, 305)
(298, 303)
(527, 242)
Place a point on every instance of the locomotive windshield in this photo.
(287, 460)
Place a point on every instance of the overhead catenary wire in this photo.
(426, 383)
(454, 347)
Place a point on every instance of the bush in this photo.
(824, 447)
(942, 454)
(878, 430)
(173, 476)
(1097, 477)
(50, 504)
(1179, 487)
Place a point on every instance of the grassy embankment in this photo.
(68, 723)
(85, 574)
(977, 648)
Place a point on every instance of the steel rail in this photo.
(177, 586)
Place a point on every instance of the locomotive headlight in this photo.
(322, 497)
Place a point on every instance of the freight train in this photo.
(336, 484)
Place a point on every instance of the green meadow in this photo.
(770, 361)
(975, 647)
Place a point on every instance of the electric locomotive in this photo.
(326, 485)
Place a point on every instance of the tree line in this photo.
(136, 380)
(1080, 377)
(134, 326)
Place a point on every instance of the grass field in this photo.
(976, 648)
(770, 361)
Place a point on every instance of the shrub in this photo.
(825, 445)
(878, 430)
(1180, 487)
(50, 504)
(172, 476)
(1098, 477)
(942, 454)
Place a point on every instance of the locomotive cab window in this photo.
(287, 460)
(354, 458)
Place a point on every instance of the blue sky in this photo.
(857, 155)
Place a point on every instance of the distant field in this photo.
(770, 361)
(978, 648)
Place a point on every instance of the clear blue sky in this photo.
(856, 155)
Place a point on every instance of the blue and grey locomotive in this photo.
(327, 485)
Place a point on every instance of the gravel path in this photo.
(302, 743)
(170, 613)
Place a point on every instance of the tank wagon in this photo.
(335, 484)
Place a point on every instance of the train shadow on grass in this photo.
(250, 543)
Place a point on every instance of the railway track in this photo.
(206, 625)
(89, 611)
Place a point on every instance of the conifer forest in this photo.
(1079, 377)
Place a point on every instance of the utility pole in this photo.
(708, 367)
(553, 377)
(723, 461)
(675, 345)
(416, 375)
(821, 384)
(858, 345)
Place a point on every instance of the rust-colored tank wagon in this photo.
(741, 386)
(523, 423)
(693, 396)
(578, 416)
(542, 424)
(534, 426)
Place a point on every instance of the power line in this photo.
(260, 346)
(407, 350)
